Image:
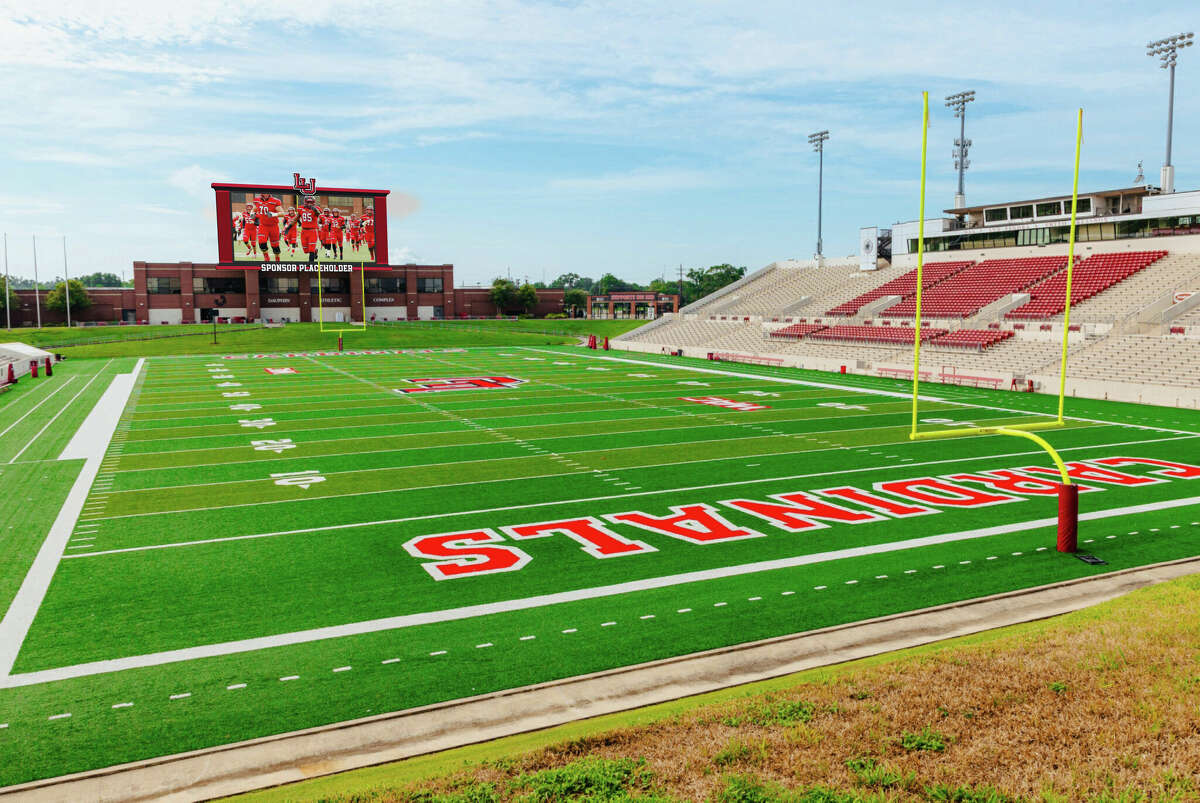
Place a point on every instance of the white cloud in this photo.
(635, 181)
(195, 180)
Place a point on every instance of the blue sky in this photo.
(546, 137)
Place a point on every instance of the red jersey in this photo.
(368, 224)
(266, 209)
(337, 222)
(309, 218)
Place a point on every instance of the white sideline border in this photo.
(578, 500)
(89, 443)
(867, 391)
(545, 600)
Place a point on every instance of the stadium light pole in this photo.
(66, 282)
(958, 102)
(1166, 50)
(37, 301)
(817, 140)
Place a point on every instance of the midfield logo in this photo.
(462, 383)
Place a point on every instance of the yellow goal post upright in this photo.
(1068, 492)
(353, 327)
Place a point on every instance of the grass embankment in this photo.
(1101, 704)
(166, 340)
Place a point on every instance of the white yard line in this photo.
(545, 600)
(31, 410)
(761, 435)
(65, 407)
(869, 391)
(89, 443)
(558, 502)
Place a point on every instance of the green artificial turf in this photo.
(111, 341)
(168, 563)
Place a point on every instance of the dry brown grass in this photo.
(1103, 704)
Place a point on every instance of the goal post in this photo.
(1068, 492)
(351, 326)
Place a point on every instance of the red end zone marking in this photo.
(597, 540)
(696, 524)
(461, 383)
(801, 513)
(280, 370)
(464, 558)
(1082, 471)
(730, 404)
(942, 493)
(1173, 469)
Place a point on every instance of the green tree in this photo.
(56, 299)
(575, 299)
(527, 297)
(566, 281)
(101, 280)
(503, 294)
(711, 279)
(609, 283)
(8, 300)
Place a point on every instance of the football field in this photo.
(256, 544)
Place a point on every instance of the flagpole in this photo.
(7, 291)
(37, 302)
(66, 282)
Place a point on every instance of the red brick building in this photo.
(186, 292)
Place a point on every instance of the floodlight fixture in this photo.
(958, 101)
(817, 140)
(1167, 51)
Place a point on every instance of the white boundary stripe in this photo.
(65, 407)
(95, 520)
(31, 410)
(99, 426)
(869, 391)
(545, 600)
(755, 435)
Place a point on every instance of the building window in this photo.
(433, 285)
(281, 284)
(439, 312)
(385, 284)
(218, 284)
(1085, 205)
(334, 284)
(1052, 208)
(994, 215)
(1020, 212)
(162, 285)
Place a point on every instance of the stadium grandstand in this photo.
(993, 296)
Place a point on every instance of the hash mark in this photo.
(59, 716)
(439, 652)
(342, 669)
(571, 630)
(123, 705)
(235, 686)
(181, 696)
(527, 638)
(289, 677)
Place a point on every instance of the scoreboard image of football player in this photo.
(368, 223)
(266, 209)
(308, 220)
(337, 229)
(247, 228)
(324, 229)
(291, 235)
